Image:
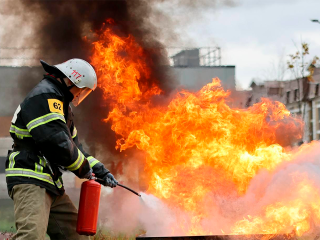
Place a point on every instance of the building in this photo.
(196, 67)
(301, 98)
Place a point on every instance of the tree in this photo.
(277, 69)
(298, 66)
(302, 70)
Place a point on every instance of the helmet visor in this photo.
(81, 96)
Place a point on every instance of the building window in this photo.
(288, 97)
(296, 95)
(316, 93)
(273, 91)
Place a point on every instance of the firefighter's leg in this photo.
(63, 220)
(31, 211)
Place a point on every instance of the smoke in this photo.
(171, 18)
(281, 201)
(54, 31)
(57, 31)
(145, 213)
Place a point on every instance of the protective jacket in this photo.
(43, 132)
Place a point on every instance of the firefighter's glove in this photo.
(110, 181)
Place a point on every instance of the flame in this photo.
(296, 215)
(120, 64)
(197, 145)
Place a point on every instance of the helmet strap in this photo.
(61, 83)
(69, 88)
(65, 85)
(70, 97)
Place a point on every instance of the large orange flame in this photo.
(197, 144)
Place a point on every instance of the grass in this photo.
(7, 225)
(6, 216)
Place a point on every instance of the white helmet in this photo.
(80, 72)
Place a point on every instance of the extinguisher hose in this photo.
(101, 181)
(129, 189)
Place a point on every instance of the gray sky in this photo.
(254, 34)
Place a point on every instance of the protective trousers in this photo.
(38, 212)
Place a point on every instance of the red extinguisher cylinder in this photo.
(88, 208)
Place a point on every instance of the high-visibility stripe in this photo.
(19, 131)
(92, 161)
(11, 159)
(38, 168)
(44, 119)
(59, 182)
(77, 164)
(74, 132)
(42, 162)
(22, 172)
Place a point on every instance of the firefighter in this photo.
(46, 144)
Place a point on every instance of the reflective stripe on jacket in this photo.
(43, 124)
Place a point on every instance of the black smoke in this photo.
(59, 36)
(59, 27)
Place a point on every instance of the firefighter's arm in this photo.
(98, 168)
(44, 118)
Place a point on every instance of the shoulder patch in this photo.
(55, 105)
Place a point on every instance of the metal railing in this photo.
(177, 56)
(207, 56)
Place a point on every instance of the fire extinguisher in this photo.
(88, 208)
(89, 205)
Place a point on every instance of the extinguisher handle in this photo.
(100, 180)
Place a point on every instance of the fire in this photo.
(197, 145)
(298, 215)
(121, 65)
